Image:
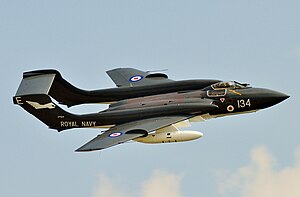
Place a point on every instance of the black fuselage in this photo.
(191, 103)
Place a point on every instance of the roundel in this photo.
(116, 134)
(230, 108)
(136, 78)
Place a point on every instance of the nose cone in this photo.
(271, 97)
(279, 97)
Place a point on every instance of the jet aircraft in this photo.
(145, 107)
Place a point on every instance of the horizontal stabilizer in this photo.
(35, 84)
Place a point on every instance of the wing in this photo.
(129, 131)
(130, 77)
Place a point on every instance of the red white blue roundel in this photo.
(116, 134)
(136, 78)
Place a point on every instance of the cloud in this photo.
(106, 188)
(160, 184)
(259, 179)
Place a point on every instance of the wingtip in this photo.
(83, 149)
(79, 150)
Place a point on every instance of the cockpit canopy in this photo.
(220, 89)
(229, 85)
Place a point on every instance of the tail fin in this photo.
(42, 107)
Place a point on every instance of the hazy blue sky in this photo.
(250, 155)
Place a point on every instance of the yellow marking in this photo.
(109, 103)
(207, 116)
(234, 113)
(103, 127)
(235, 92)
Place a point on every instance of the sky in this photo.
(248, 155)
